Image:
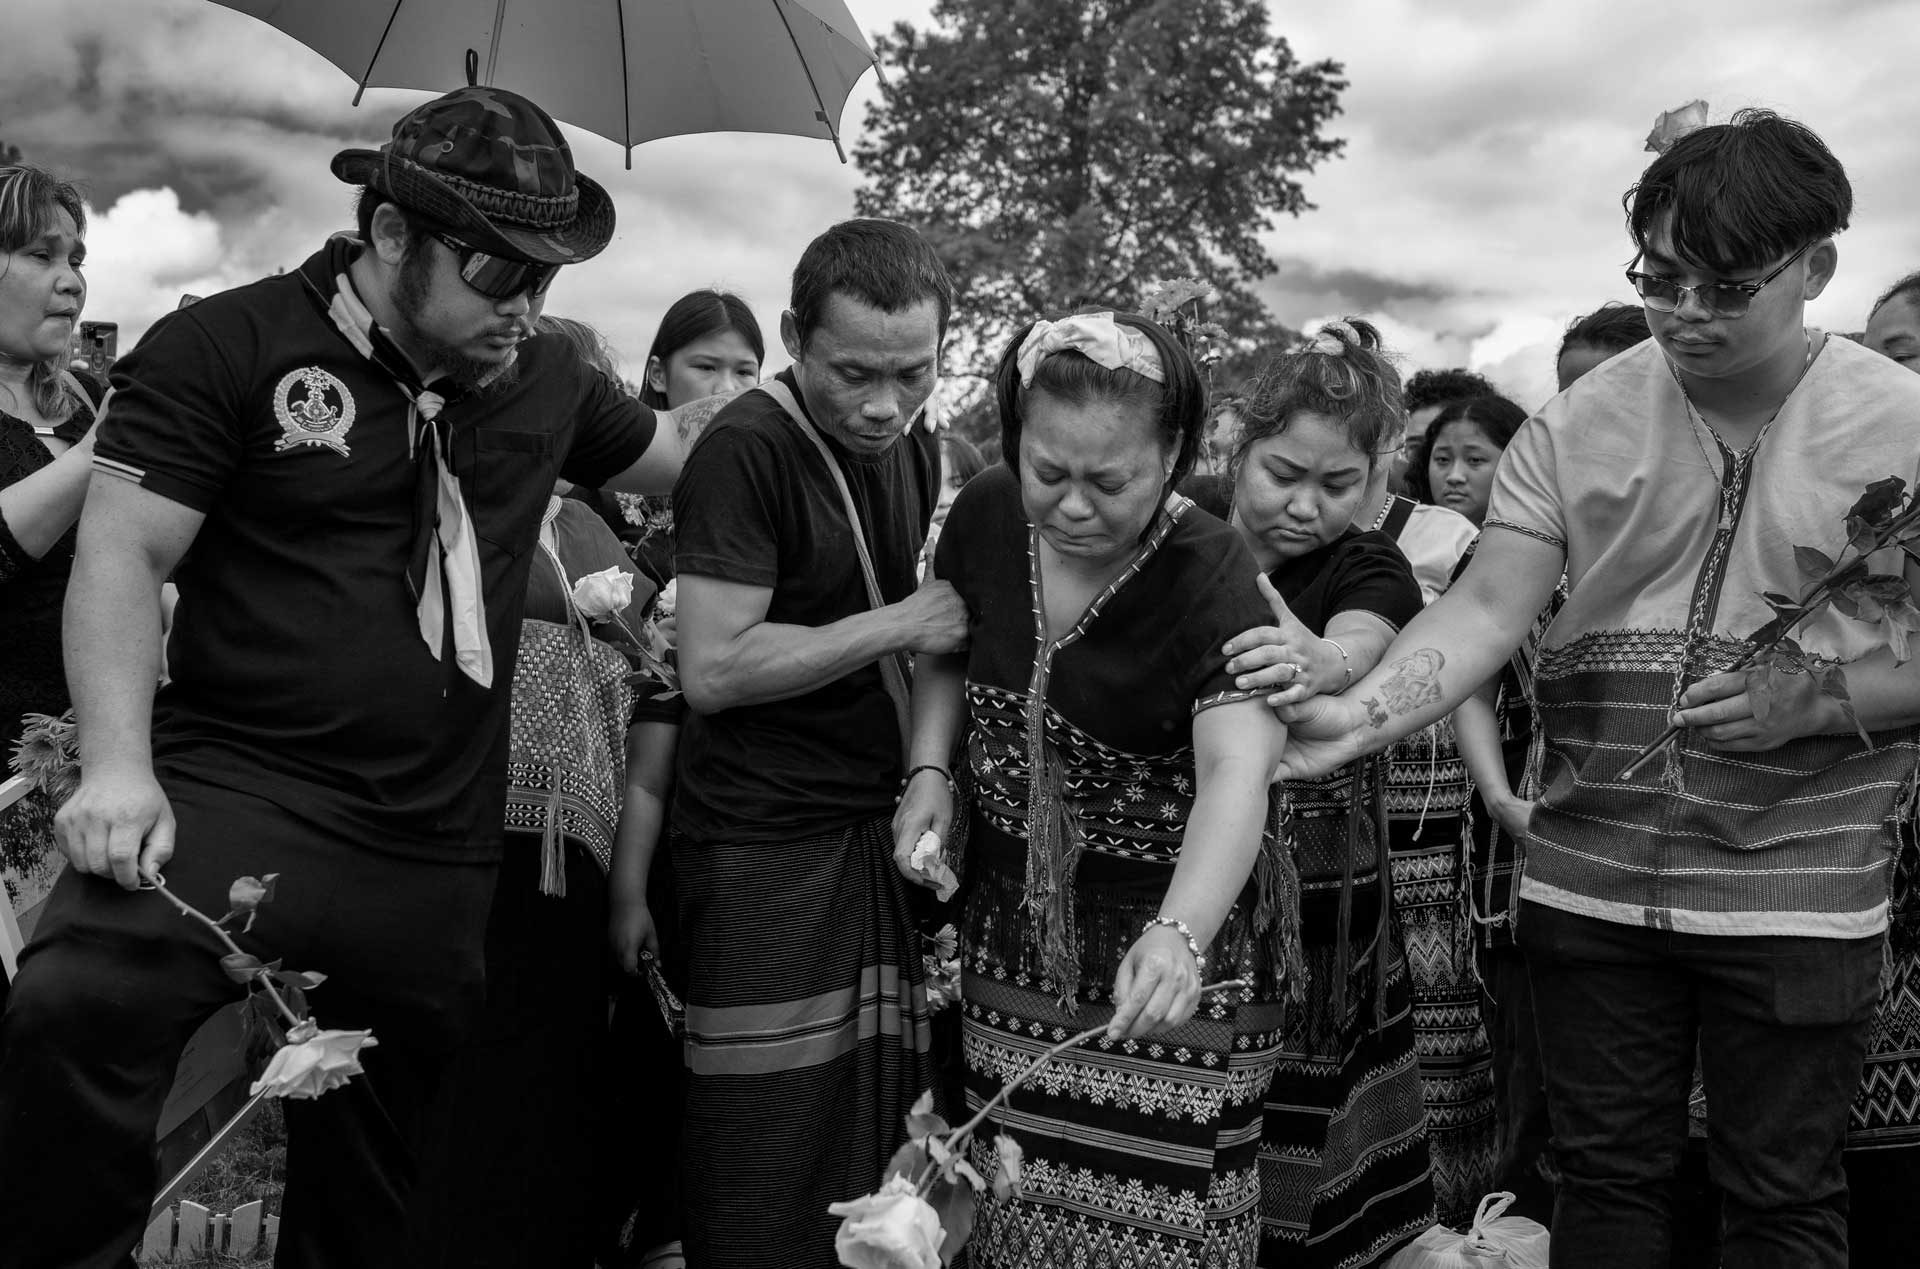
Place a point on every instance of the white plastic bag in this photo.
(1494, 1242)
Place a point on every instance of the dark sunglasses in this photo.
(498, 277)
(1722, 299)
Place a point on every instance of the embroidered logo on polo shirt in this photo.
(313, 408)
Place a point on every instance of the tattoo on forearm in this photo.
(692, 418)
(1414, 682)
(1376, 712)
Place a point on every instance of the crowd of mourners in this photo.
(1282, 734)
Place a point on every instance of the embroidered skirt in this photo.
(1344, 1172)
(1139, 1154)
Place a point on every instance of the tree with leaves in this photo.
(1066, 152)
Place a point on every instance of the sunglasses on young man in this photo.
(498, 277)
(1722, 299)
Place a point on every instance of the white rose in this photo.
(600, 595)
(1676, 123)
(931, 864)
(893, 1229)
(313, 1062)
(668, 598)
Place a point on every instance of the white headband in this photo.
(1095, 336)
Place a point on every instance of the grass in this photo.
(253, 1166)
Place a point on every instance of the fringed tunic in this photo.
(1139, 1153)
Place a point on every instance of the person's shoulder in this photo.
(1202, 540)
(1439, 524)
(1371, 546)
(1867, 373)
(269, 300)
(1618, 386)
(751, 423)
(1211, 491)
(991, 494)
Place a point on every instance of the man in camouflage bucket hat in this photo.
(358, 453)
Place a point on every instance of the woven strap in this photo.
(893, 665)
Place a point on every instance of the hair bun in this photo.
(1335, 336)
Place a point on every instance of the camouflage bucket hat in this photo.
(492, 168)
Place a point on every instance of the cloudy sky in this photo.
(1475, 211)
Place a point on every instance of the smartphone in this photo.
(99, 344)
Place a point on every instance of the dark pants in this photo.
(1781, 1028)
(1884, 1188)
(115, 982)
(512, 1182)
(1522, 1135)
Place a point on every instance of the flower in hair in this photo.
(1162, 301)
(1676, 123)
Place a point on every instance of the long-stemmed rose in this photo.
(1883, 517)
(604, 597)
(926, 1200)
(309, 1061)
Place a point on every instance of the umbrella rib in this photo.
(392, 17)
(820, 105)
(626, 96)
(493, 51)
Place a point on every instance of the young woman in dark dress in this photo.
(1344, 1172)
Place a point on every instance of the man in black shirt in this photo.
(357, 454)
(798, 523)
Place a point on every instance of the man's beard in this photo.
(410, 301)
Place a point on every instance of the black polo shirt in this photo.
(755, 504)
(299, 671)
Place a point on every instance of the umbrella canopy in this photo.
(630, 70)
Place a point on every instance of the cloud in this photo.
(236, 123)
(1489, 146)
(1476, 209)
(1298, 284)
(180, 252)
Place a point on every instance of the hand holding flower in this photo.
(1720, 709)
(1157, 986)
(926, 809)
(929, 865)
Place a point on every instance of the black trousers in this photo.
(1780, 1024)
(115, 982)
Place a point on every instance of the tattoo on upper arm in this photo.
(1415, 681)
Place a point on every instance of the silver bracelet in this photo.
(1346, 662)
(1174, 923)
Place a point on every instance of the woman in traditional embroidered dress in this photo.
(1343, 1152)
(516, 1182)
(1120, 805)
(1431, 784)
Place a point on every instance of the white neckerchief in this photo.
(450, 589)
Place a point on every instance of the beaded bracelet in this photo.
(1346, 662)
(927, 766)
(1193, 946)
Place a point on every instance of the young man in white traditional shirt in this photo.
(1732, 898)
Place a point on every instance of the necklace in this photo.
(1380, 521)
(1697, 421)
